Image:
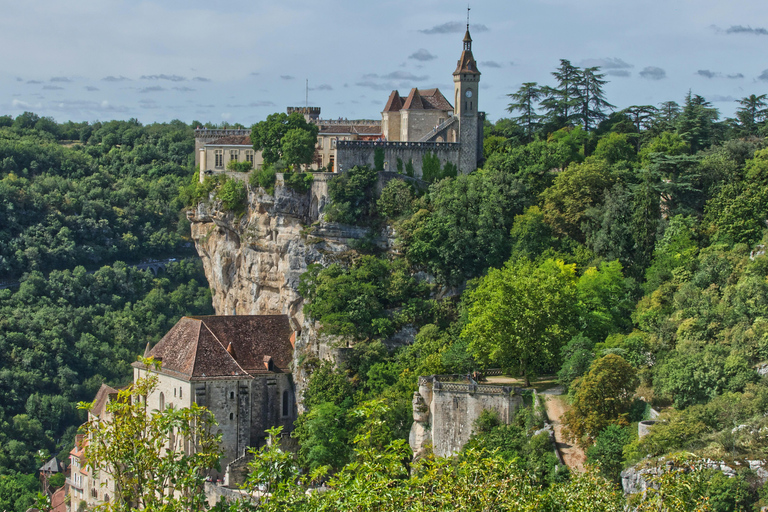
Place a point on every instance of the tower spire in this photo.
(467, 17)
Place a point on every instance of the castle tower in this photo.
(466, 80)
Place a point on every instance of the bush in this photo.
(264, 178)
(234, 165)
(233, 195)
(352, 195)
(396, 199)
(300, 182)
(608, 450)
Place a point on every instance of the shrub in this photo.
(396, 199)
(233, 195)
(298, 181)
(234, 165)
(264, 178)
(352, 195)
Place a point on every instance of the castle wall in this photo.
(444, 412)
(354, 153)
(421, 122)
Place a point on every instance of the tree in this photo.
(157, 459)
(696, 122)
(269, 137)
(752, 113)
(298, 147)
(591, 98)
(603, 397)
(521, 314)
(524, 99)
(642, 116)
(561, 102)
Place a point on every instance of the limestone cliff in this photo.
(253, 263)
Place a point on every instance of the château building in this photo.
(423, 122)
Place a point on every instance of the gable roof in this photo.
(434, 99)
(420, 99)
(413, 101)
(52, 466)
(224, 347)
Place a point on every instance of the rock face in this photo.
(253, 263)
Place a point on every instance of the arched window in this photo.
(162, 402)
(231, 395)
(231, 416)
(285, 402)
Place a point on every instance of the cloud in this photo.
(376, 86)
(253, 104)
(707, 73)
(155, 88)
(287, 77)
(24, 104)
(740, 29)
(91, 88)
(321, 87)
(622, 73)
(111, 78)
(183, 89)
(85, 106)
(653, 73)
(717, 98)
(490, 64)
(606, 63)
(423, 55)
(19, 79)
(201, 79)
(736, 75)
(453, 27)
(254, 73)
(397, 75)
(52, 88)
(60, 79)
(34, 82)
(170, 78)
(148, 104)
(763, 75)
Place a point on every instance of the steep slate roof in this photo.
(219, 347)
(467, 64)
(232, 140)
(413, 102)
(394, 103)
(422, 99)
(100, 402)
(52, 466)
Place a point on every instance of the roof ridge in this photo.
(222, 346)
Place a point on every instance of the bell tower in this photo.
(466, 80)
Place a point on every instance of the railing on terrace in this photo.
(220, 132)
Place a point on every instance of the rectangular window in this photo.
(233, 154)
(219, 157)
(333, 142)
(249, 156)
(320, 143)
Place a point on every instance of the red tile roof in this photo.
(59, 501)
(210, 347)
(232, 140)
(424, 99)
(413, 101)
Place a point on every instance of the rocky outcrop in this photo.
(253, 262)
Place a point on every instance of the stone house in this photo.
(236, 366)
(85, 483)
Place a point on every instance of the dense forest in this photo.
(621, 251)
(77, 197)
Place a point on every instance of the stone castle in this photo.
(423, 122)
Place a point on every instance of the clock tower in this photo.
(466, 80)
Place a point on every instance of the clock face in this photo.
(468, 94)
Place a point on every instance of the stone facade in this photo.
(446, 406)
(236, 366)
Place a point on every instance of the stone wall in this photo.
(446, 407)
(352, 153)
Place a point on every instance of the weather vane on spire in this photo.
(467, 16)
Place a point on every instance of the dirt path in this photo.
(556, 405)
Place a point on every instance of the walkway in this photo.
(556, 405)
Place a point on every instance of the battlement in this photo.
(208, 133)
(383, 144)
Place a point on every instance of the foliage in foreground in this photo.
(143, 451)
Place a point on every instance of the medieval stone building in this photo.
(236, 366)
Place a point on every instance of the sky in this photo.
(239, 61)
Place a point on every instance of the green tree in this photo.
(144, 452)
(298, 146)
(561, 103)
(268, 136)
(591, 98)
(524, 101)
(752, 113)
(521, 315)
(603, 397)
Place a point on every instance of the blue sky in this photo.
(240, 61)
